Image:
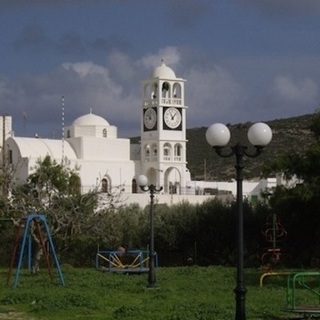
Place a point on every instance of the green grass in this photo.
(184, 293)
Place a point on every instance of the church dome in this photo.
(163, 71)
(90, 119)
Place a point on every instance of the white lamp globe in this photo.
(218, 135)
(260, 134)
(142, 181)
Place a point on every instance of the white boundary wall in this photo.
(143, 199)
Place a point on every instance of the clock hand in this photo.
(172, 114)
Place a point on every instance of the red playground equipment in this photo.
(274, 232)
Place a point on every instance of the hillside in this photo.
(204, 164)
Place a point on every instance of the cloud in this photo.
(303, 91)
(112, 90)
(283, 97)
(122, 67)
(171, 56)
(212, 95)
(84, 85)
(85, 69)
(87, 85)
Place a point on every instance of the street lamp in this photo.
(143, 184)
(218, 136)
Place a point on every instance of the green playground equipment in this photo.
(303, 293)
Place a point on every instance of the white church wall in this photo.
(172, 135)
(108, 132)
(76, 145)
(20, 169)
(84, 131)
(117, 173)
(39, 148)
(112, 132)
(100, 148)
(143, 199)
(250, 188)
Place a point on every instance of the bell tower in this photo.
(163, 131)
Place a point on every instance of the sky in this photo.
(244, 60)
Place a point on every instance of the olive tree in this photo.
(54, 189)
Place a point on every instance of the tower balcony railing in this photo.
(169, 158)
(163, 101)
(171, 101)
(151, 159)
(150, 103)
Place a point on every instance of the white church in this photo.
(91, 144)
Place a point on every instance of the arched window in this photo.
(165, 90)
(177, 152)
(134, 187)
(104, 185)
(147, 151)
(154, 91)
(68, 134)
(104, 132)
(154, 150)
(167, 152)
(10, 157)
(177, 90)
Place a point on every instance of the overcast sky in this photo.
(244, 60)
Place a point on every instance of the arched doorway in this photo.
(172, 181)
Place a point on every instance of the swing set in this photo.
(23, 243)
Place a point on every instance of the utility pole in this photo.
(4, 162)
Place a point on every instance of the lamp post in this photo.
(218, 136)
(143, 184)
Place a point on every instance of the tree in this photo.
(55, 190)
(298, 205)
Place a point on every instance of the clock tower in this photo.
(163, 131)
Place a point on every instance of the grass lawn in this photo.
(184, 293)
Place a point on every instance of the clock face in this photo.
(150, 118)
(172, 118)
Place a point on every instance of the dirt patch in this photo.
(13, 316)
